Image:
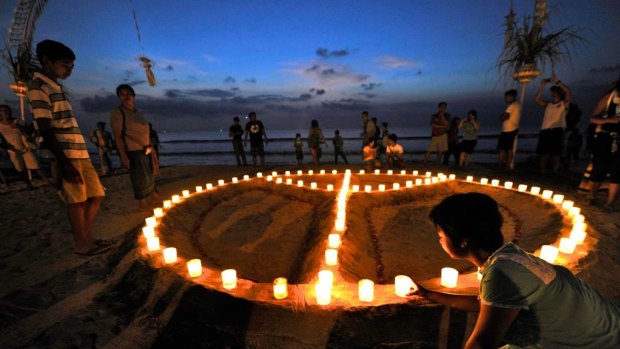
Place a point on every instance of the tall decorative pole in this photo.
(20, 89)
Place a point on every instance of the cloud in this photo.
(331, 75)
(392, 62)
(325, 53)
(348, 104)
(169, 68)
(250, 80)
(99, 104)
(235, 89)
(230, 80)
(317, 91)
(367, 95)
(210, 92)
(209, 58)
(605, 69)
(136, 82)
(371, 86)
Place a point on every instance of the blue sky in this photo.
(292, 61)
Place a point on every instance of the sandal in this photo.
(94, 251)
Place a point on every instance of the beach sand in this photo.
(53, 298)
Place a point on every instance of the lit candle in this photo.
(235, 180)
(535, 190)
(377, 172)
(549, 253)
(341, 214)
(547, 194)
(313, 185)
(484, 181)
(289, 181)
(567, 245)
(402, 285)
(274, 174)
(367, 188)
(167, 204)
(323, 294)
(403, 172)
(209, 186)
(470, 178)
(148, 232)
(495, 182)
(339, 226)
(331, 256)
(334, 172)
(567, 204)
(415, 173)
(381, 187)
(427, 181)
(578, 236)
(158, 212)
(152, 244)
(326, 277)
(396, 186)
(508, 185)
(194, 268)
(279, 180)
(300, 172)
(579, 219)
(452, 177)
(229, 279)
(522, 187)
(198, 189)
(259, 174)
(366, 290)
(330, 187)
(558, 198)
(246, 177)
(185, 193)
(434, 180)
(409, 184)
(151, 221)
(286, 173)
(390, 172)
(322, 172)
(334, 240)
(479, 274)
(170, 255)
(347, 171)
(362, 172)
(428, 174)
(449, 277)
(269, 178)
(220, 182)
(280, 288)
(580, 226)
(418, 181)
(300, 183)
(574, 211)
(355, 188)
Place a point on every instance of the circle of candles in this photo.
(469, 178)
(300, 183)
(362, 172)
(334, 172)
(508, 185)
(578, 218)
(150, 221)
(547, 194)
(246, 177)
(535, 190)
(323, 294)
(549, 253)
(574, 211)
(484, 181)
(381, 187)
(366, 290)
(167, 204)
(269, 178)
(409, 184)
(170, 255)
(194, 268)
(313, 185)
(356, 188)
(229, 279)
(403, 172)
(300, 172)
(495, 182)
(280, 288)
(567, 245)
(158, 212)
(428, 174)
(402, 285)
(289, 181)
(567, 204)
(334, 240)
(209, 186)
(185, 193)
(578, 236)
(415, 173)
(339, 225)
(220, 182)
(330, 187)
(148, 232)
(198, 189)
(235, 180)
(418, 181)
(259, 174)
(449, 277)
(558, 198)
(152, 244)
(322, 172)
(331, 256)
(326, 277)
(522, 187)
(367, 188)
(396, 186)
(274, 174)
(390, 172)
(279, 180)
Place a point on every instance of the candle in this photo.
(220, 182)
(334, 240)
(403, 172)
(300, 172)
(300, 183)
(535, 190)
(558, 198)
(330, 187)
(522, 187)
(313, 185)
(495, 182)
(418, 181)
(235, 180)
(452, 177)
(289, 181)
(367, 188)
(449, 277)
(567, 245)
(402, 285)
(347, 171)
(574, 211)
(280, 288)
(415, 173)
(194, 268)
(326, 277)
(340, 226)
(331, 256)
(334, 172)
(508, 185)
(259, 174)
(578, 236)
(229, 279)
(170, 255)
(381, 187)
(377, 172)
(185, 193)
(310, 172)
(286, 173)
(396, 186)
(341, 214)
(198, 189)
(167, 204)
(322, 172)
(151, 221)
(274, 174)
(148, 232)
(469, 178)
(409, 184)
(579, 218)
(567, 204)
(246, 177)
(484, 181)
(152, 244)
(362, 172)
(323, 294)
(209, 186)
(158, 212)
(549, 253)
(366, 290)
(390, 172)
(580, 226)
(279, 180)
(479, 275)
(269, 178)
(427, 181)
(356, 188)
(547, 194)
(428, 174)
(434, 180)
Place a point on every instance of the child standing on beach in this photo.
(61, 134)
(338, 147)
(299, 152)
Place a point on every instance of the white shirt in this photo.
(555, 116)
(512, 123)
(397, 149)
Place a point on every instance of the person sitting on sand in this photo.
(131, 131)
(52, 112)
(523, 300)
(369, 156)
(394, 152)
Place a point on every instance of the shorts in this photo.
(550, 142)
(74, 193)
(603, 160)
(506, 140)
(21, 162)
(257, 148)
(299, 154)
(468, 146)
(439, 143)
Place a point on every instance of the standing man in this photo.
(235, 132)
(256, 131)
(439, 140)
(52, 112)
(369, 129)
(510, 128)
(104, 142)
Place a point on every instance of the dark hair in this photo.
(337, 132)
(471, 216)
(252, 114)
(512, 92)
(121, 87)
(101, 123)
(236, 118)
(54, 51)
(442, 103)
(393, 137)
(365, 113)
(8, 109)
(371, 140)
(558, 90)
(374, 119)
(455, 122)
(384, 124)
(474, 113)
(314, 123)
(298, 135)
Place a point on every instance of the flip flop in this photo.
(94, 251)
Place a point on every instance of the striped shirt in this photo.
(48, 101)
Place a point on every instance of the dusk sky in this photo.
(293, 61)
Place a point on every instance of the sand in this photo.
(53, 298)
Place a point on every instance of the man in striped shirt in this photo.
(63, 139)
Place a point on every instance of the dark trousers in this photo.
(453, 149)
(239, 152)
(338, 151)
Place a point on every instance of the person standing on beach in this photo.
(369, 129)
(255, 130)
(551, 136)
(453, 142)
(299, 150)
(338, 147)
(52, 112)
(315, 139)
(470, 128)
(133, 139)
(102, 139)
(439, 138)
(510, 128)
(236, 132)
